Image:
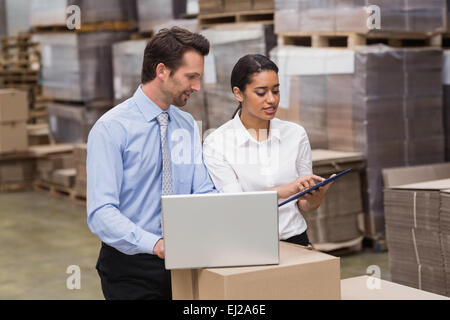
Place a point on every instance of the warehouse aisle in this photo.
(42, 236)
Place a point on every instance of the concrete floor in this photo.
(41, 236)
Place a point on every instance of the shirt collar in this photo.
(244, 135)
(148, 108)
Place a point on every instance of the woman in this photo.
(256, 151)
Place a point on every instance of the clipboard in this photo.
(316, 186)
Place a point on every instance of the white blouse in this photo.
(239, 163)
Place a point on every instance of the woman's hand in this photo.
(298, 185)
(310, 202)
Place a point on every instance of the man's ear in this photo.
(238, 94)
(162, 72)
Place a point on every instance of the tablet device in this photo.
(316, 186)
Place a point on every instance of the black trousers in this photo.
(300, 239)
(132, 277)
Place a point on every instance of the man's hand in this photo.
(158, 249)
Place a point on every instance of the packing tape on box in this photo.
(415, 245)
(419, 266)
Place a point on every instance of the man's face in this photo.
(186, 79)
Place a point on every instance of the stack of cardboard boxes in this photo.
(340, 217)
(228, 44)
(223, 6)
(373, 100)
(56, 169)
(45, 13)
(301, 274)
(77, 66)
(417, 226)
(341, 16)
(13, 119)
(154, 12)
(80, 155)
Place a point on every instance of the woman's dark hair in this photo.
(168, 46)
(244, 69)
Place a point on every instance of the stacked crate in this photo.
(372, 100)
(228, 44)
(417, 220)
(17, 166)
(80, 155)
(77, 64)
(235, 11)
(339, 219)
(55, 168)
(13, 118)
(20, 66)
(155, 12)
(365, 96)
(111, 13)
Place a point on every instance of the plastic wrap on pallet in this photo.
(231, 42)
(375, 106)
(221, 6)
(189, 24)
(78, 66)
(356, 15)
(54, 12)
(127, 63)
(72, 123)
(153, 12)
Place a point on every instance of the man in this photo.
(130, 165)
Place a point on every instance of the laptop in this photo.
(220, 230)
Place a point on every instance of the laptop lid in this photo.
(220, 230)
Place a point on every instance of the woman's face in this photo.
(261, 96)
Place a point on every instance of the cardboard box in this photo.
(359, 288)
(64, 177)
(301, 275)
(17, 170)
(13, 137)
(13, 105)
(416, 226)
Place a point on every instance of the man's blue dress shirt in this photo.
(124, 171)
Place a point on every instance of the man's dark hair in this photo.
(168, 46)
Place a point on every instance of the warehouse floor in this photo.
(43, 235)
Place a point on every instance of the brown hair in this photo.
(168, 46)
(245, 68)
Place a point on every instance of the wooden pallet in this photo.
(342, 248)
(14, 187)
(59, 191)
(92, 27)
(99, 103)
(264, 16)
(353, 39)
